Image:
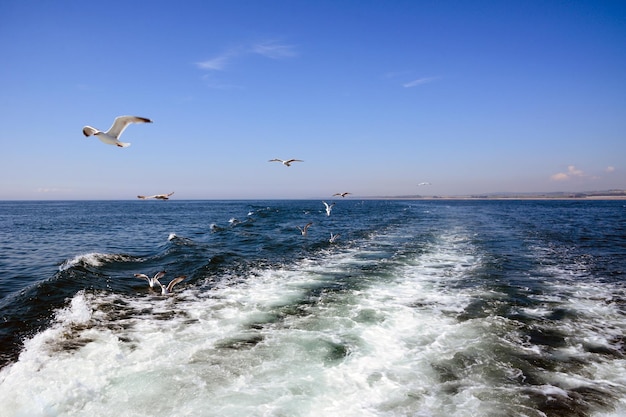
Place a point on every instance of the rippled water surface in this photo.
(418, 308)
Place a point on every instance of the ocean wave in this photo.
(94, 259)
(466, 311)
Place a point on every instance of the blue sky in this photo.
(374, 96)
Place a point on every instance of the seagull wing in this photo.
(143, 276)
(88, 131)
(294, 160)
(175, 281)
(122, 122)
(159, 275)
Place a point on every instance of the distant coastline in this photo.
(559, 195)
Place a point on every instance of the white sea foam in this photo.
(325, 337)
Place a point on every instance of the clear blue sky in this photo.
(374, 96)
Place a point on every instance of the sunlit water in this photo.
(420, 308)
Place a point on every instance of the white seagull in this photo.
(423, 183)
(329, 207)
(286, 163)
(345, 193)
(112, 135)
(304, 229)
(333, 237)
(156, 196)
(151, 281)
(168, 290)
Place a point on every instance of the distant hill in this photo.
(606, 194)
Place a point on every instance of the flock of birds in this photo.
(111, 137)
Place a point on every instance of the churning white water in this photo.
(354, 332)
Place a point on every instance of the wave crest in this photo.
(94, 259)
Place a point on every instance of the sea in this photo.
(426, 308)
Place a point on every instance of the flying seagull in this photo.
(333, 238)
(329, 207)
(157, 196)
(286, 163)
(304, 229)
(112, 135)
(345, 193)
(151, 281)
(423, 183)
(168, 290)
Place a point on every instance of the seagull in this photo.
(342, 194)
(286, 163)
(423, 183)
(305, 228)
(329, 207)
(151, 281)
(111, 136)
(156, 196)
(333, 237)
(168, 290)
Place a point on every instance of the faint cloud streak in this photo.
(269, 49)
(273, 50)
(419, 81)
(216, 64)
(572, 172)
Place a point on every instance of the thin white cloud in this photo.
(561, 176)
(216, 64)
(269, 49)
(575, 172)
(572, 172)
(273, 50)
(419, 81)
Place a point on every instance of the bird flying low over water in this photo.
(286, 163)
(305, 229)
(345, 193)
(151, 281)
(156, 196)
(111, 136)
(329, 207)
(168, 290)
(333, 238)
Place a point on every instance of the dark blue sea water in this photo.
(418, 308)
